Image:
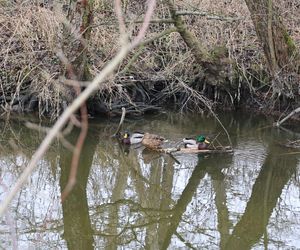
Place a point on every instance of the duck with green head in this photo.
(134, 138)
(199, 143)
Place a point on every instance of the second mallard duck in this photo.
(199, 143)
(134, 138)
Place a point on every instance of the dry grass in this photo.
(30, 36)
(28, 63)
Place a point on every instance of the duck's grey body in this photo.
(133, 138)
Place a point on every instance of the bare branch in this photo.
(278, 123)
(207, 15)
(121, 22)
(74, 83)
(113, 22)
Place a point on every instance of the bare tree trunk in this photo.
(81, 14)
(214, 66)
(278, 46)
(279, 49)
(189, 38)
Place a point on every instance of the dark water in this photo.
(130, 198)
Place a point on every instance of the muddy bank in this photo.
(144, 97)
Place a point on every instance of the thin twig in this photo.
(74, 83)
(121, 121)
(207, 15)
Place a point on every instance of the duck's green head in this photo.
(202, 138)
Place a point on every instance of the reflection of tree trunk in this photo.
(214, 168)
(166, 199)
(154, 193)
(78, 232)
(275, 173)
(223, 218)
(158, 196)
(182, 203)
(220, 200)
(139, 180)
(117, 194)
(136, 175)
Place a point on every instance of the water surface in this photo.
(132, 198)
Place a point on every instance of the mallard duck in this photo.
(152, 141)
(200, 142)
(134, 138)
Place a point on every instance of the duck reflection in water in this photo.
(150, 155)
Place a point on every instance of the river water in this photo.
(131, 198)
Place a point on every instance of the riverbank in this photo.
(162, 73)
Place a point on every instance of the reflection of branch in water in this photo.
(275, 173)
(154, 220)
(151, 217)
(121, 121)
(153, 200)
(149, 192)
(150, 196)
(189, 245)
(166, 196)
(129, 160)
(134, 207)
(292, 133)
(185, 198)
(117, 194)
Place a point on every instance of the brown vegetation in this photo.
(231, 70)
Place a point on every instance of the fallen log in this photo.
(278, 123)
(226, 149)
(218, 150)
